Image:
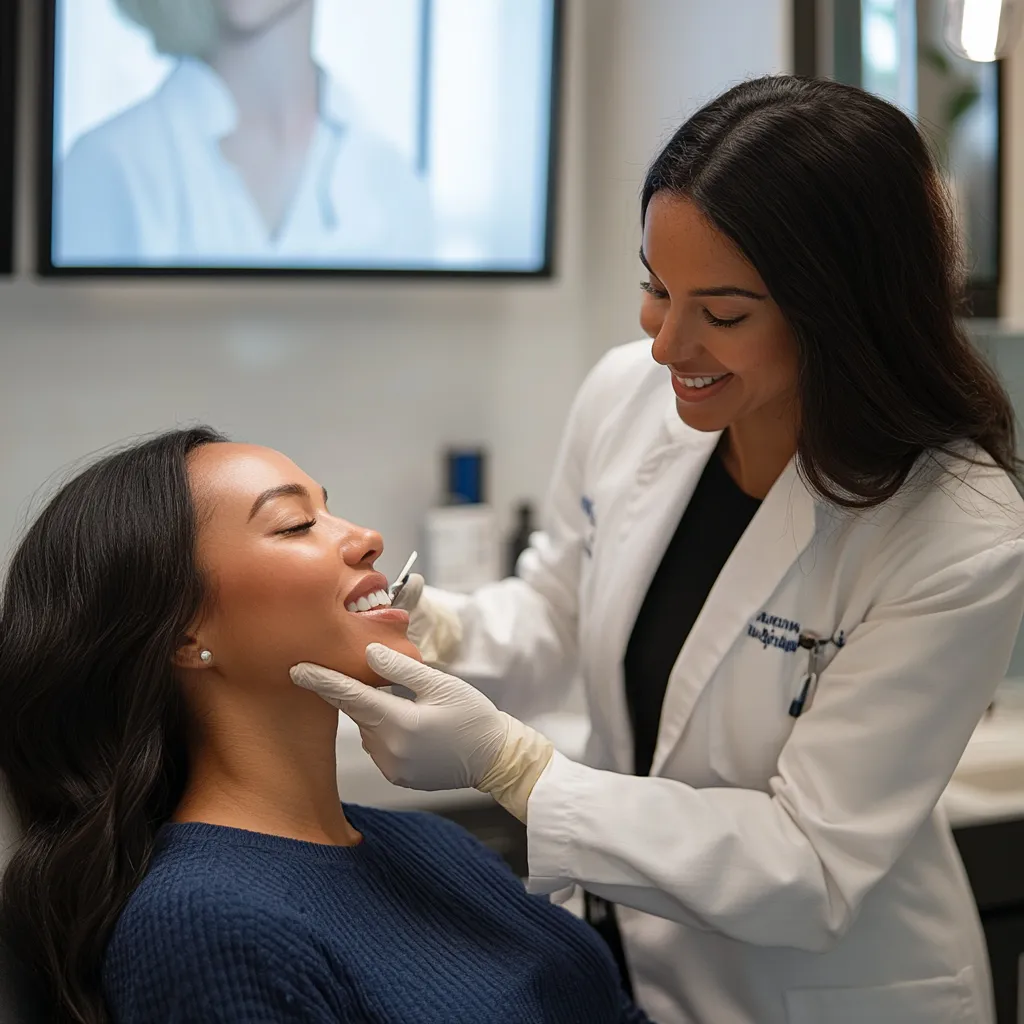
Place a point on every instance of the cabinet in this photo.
(993, 855)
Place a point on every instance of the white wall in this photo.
(363, 383)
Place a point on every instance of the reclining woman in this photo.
(186, 856)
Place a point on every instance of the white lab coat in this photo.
(151, 187)
(773, 870)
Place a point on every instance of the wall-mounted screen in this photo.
(291, 136)
(8, 82)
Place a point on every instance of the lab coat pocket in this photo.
(945, 1000)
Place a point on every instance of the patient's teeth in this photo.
(378, 599)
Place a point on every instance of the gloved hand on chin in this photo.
(433, 628)
(450, 737)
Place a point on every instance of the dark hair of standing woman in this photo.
(92, 737)
(833, 196)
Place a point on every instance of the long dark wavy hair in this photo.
(92, 731)
(833, 196)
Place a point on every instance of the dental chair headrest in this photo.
(19, 1003)
(10, 830)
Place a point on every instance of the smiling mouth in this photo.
(370, 602)
(701, 382)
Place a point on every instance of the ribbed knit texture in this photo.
(419, 924)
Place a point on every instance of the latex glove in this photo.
(450, 737)
(433, 628)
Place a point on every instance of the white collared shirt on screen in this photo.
(151, 187)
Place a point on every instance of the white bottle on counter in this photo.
(461, 546)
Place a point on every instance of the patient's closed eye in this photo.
(282, 491)
(298, 528)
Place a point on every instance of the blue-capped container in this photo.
(461, 546)
(465, 473)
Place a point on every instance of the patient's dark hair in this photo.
(92, 743)
(832, 195)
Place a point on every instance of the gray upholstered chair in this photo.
(18, 1003)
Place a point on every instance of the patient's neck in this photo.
(267, 765)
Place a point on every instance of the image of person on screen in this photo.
(248, 154)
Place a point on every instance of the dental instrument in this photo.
(402, 578)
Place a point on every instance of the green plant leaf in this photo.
(936, 59)
(960, 102)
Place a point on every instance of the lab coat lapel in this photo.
(778, 534)
(662, 486)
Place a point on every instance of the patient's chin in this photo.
(404, 646)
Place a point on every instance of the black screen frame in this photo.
(9, 27)
(45, 199)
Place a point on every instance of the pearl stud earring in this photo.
(205, 657)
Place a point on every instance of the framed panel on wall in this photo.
(399, 137)
(8, 88)
(895, 48)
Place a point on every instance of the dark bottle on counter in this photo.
(520, 539)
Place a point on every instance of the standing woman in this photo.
(786, 556)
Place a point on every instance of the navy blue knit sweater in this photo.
(419, 924)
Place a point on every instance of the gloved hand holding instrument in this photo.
(434, 630)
